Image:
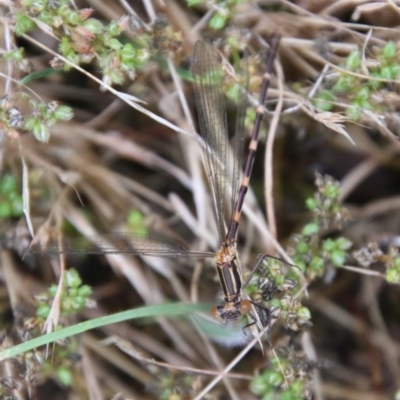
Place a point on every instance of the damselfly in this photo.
(223, 168)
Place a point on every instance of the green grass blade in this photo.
(158, 310)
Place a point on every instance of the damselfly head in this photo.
(231, 311)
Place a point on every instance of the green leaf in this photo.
(72, 278)
(115, 44)
(392, 276)
(73, 18)
(354, 113)
(41, 132)
(23, 24)
(302, 247)
(217, 22)
(343, 243)
(323, 100)
(5, 210)
(64, 113)
(38, 75)
(43, 311)
(113, 28)
(273, 378)
(311, 229)
(364, 93)
(389, 51)
(328, 245)
(64, 375)
(353, 61)
(304, 313)
(344, 84)
(317, 264)
(142, 56)
(311, 203)
(338, 258)
(259, 385)
(331, 191)
(17, 206)
(387, 72)
(14, 55)
(8, 184)
(94, 25)
(128, 53)
(85, 291)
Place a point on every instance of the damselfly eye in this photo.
(217, 311)
(245, 307)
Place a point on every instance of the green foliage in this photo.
(273, 288)
(15, 55)
(309, 251)
(271, 383)
(23, 23)
(64, 375)
(357, 92)
(83, 38)
(136, 222)
(353, 61)
(323, 100)
(393, 270)
(74, 296)
(224, 11)
(11, 204)
(43, 116)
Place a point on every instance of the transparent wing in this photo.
(223, 166)
(120, 243)
(208, 79)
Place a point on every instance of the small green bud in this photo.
(64, 113)
(353, 113)
(41, 132)
(302, 247)
(43, 311)
(353, 61)
(311, 203)
(317, 264)
(113, 28)
(5, 210)
(64, 375)
(343, 243)
(387, 72)
(331, 191)
(94, 26)
(338, 257)
(259, 385)
(115, 44)
(273, 378)
(128, 53)
(392, 275)
(329, 245)
(218, 21)
(72, 278)
(311, 229)
(389, 51)
(304, 313)
(324, 100)
(84, 291)
(23, 24)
